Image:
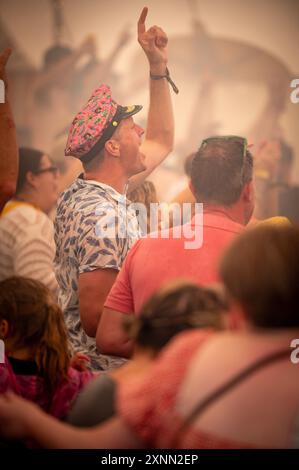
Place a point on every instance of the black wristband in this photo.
(167, 76)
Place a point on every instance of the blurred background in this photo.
(232, 61)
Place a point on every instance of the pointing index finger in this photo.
(141, 21)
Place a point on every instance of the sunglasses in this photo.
(51, 169)
(232, 138)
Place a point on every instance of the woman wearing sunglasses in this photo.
(27, 245)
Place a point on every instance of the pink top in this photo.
(154, 261)
(32, 388)
(147, 406)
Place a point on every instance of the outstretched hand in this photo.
(153, 42)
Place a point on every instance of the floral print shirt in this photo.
(94, 229)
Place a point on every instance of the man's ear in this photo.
(4, 329)
(31, 178)
(248, 193)
(112, 147)
(191, 188)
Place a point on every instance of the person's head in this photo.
(174, 308)
(30, 320)
(105, 132)
(37, 179)
(221, 174)
(144, 194)
(55, 54)
(260, 271)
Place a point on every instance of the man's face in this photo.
(46, 183)
(128, 137)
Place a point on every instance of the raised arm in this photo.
(9, 155)
(159, 134)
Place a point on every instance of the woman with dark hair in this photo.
(27, 244)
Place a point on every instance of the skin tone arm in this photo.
(159, 134)
(94, 287)
(111, 337)
(158, 143)
(21, 419)
(9, 154)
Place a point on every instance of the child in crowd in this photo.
(231, 389)
(37, 364)
(174, 308)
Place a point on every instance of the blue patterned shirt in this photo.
(94, 229)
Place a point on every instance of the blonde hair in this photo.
(145, 194)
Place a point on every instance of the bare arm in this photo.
(94, 287)
(111, 337)
(159, 135)
(21, 419)
(9, 155)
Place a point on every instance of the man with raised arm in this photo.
(106, 139)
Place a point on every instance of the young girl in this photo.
(37, 360)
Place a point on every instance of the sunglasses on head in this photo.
(232, 138)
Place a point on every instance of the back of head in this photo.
(55, 54)
(260, 271)
(36, 322)
(29, 160)
(175, 308)
(220, 171)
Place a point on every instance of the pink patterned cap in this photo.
(95, 123)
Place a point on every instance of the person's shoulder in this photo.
(85, 197)
(186, 343)
(27, 215)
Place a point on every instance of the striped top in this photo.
(26, 244)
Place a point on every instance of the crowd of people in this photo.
(125, 327)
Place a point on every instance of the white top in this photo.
(27, 245)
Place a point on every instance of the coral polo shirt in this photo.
(152, 262)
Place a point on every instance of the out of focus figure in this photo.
(8, 140)
(27, 245)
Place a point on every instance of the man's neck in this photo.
(117, 181)
(234, 212)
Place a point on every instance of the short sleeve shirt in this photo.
(94, 229)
